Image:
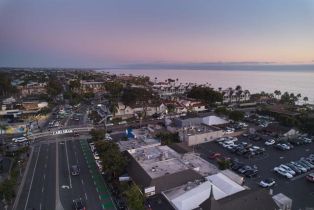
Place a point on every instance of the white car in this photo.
(267, 183)
(19, 139)
(270, 142)
(283, 172)
(286, 168)
(96, 156)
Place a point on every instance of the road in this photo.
(39, 188)
(50, 185)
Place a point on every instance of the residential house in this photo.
(231, 95)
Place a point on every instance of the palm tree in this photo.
(305, 99)
(238, 88)
(277, 93)
(299, 97)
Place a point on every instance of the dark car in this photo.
(251, 173)
(78, 204)
(75, 170)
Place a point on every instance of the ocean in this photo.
(253, 80)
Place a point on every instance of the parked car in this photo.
(283, 172)
(303, 169)
(310, 177)
(286, 168)
(270, 142)
(251, 173)
(269, 182)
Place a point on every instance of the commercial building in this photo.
(158, 168)
(200, 134)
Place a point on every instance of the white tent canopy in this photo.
(214, 120)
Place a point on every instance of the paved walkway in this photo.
(102, 189)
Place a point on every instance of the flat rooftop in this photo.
(137, 143)
(158, 161)
(200, 129)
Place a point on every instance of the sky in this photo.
(102, 33)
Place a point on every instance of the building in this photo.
(197, 130)
(32, 88)
(231, 95)
(158, 168)
(258, 199)
(126, 112)
(92, 86)
(200, 134)
(192, 194)
(169, 88)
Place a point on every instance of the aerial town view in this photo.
(157, 105)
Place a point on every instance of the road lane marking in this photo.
(42, 189)
(44, 176)
(29, 190)
(85, 196)
(82, 181)
(66, 152)
(40, 206)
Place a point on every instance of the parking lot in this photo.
(297, 188)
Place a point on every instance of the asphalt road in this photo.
(297, 188)
(50, 185)
(39, 188)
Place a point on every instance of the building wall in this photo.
(200, 138)
(187, 122)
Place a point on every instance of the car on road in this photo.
(269, 182)
(270, 142)
(310, 177)
(75, 170)
(78, 204)
(19, 139)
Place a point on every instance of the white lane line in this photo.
(42, 189)
(85, 196)
(66, 152)
(82, 181)
(44, 176)
(29, 190)
(40, 206)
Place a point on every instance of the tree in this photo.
(205, 94)
(277, 93)
(112, 159)
(168, 138)
(6, 89)
(223, 164)
(98, 134)
(305, 99)
(54, 86)
(236, 115)
(134, 198)
(221, 111)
